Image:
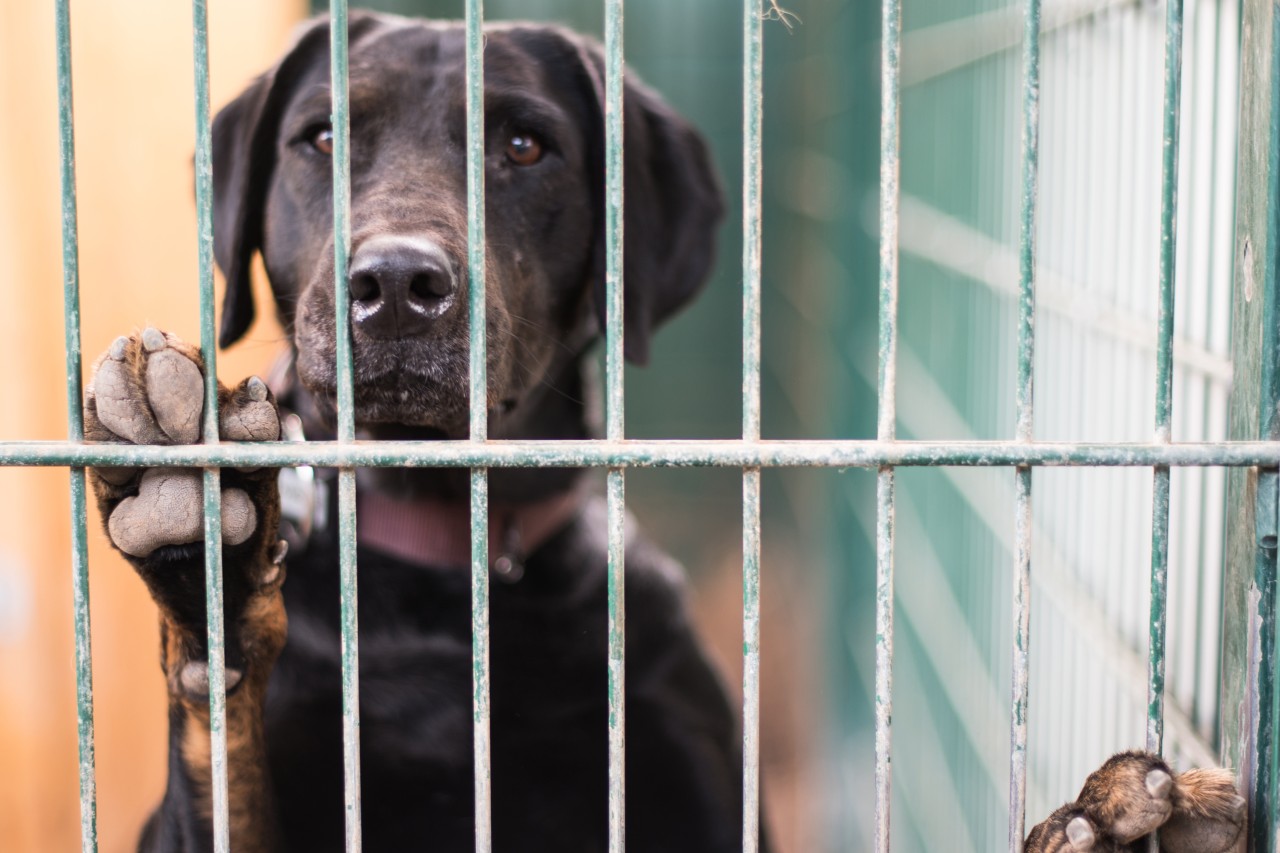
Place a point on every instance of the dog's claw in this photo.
(1159, 783)
(278, 552)
(1080, 834)
(118, 347)
(257, 389)
(153, 339)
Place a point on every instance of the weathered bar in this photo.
(752, 176)
(890, 110)
(341, 118)
(211, 475)
(1249, 663)
(1164, 373)
(1020, 681)
(659, 453)
(479, 424)
(75, 434)
(615, 420)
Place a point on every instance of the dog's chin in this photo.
(395, 415)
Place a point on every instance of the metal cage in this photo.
(1250, 451)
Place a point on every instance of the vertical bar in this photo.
(1249, 661)
(890, 110)
(1164, 373)
(479, 424)
(752, 171)
(211, 476)
(1021, 674)
(341, 118)
(75, 433)
(615, 423)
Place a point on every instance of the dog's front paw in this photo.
(1136, 793)
(1129, 796)
(148, 388)
(1068, 830)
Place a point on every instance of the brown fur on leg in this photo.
(250, 809)
(1208, 814)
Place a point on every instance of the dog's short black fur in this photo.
(545, 284)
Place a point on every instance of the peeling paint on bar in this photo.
(347, 568)
(884, 654)
(1164, 378)
(479, 426)
(212, 476)
(75, 434)
(752, 176)
(750, 660)
(1020, 678)
(480, 657)
(890, 109)
(710, 453)
(615, 420)
(616, 495)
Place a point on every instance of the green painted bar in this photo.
(348, 573)
(1164, 374)
(616, 497)
(1020, 670)
(75, 434)
(890, 111)
(730, 453)
(615, 420)
(1249, 659)
(475, 218)
(479, 425)
(211, 476)
(480, 657)
(752, 178)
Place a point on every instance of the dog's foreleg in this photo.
(148, 389)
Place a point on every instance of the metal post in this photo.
(752, 173)
(1021, 675)
(75, 434)
(341, 118)
(890, 109)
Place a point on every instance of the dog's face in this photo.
(408, 278)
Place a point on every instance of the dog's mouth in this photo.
(417, 384)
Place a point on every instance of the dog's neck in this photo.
(434, 532)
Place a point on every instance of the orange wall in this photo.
(135, 131)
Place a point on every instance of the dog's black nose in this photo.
(400, 286)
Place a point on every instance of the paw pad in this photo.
(169, 510)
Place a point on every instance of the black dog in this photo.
(544, 198)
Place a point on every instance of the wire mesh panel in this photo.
(1041, 609)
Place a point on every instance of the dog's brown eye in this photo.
(524, 149)
(322, 140)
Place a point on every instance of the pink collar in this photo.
(433, 532)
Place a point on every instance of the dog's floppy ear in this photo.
(245, 138)
(672, 206)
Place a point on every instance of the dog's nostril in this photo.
(431, 284)
(364, 288)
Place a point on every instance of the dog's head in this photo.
(544, 197)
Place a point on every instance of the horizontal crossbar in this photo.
(728, 453)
